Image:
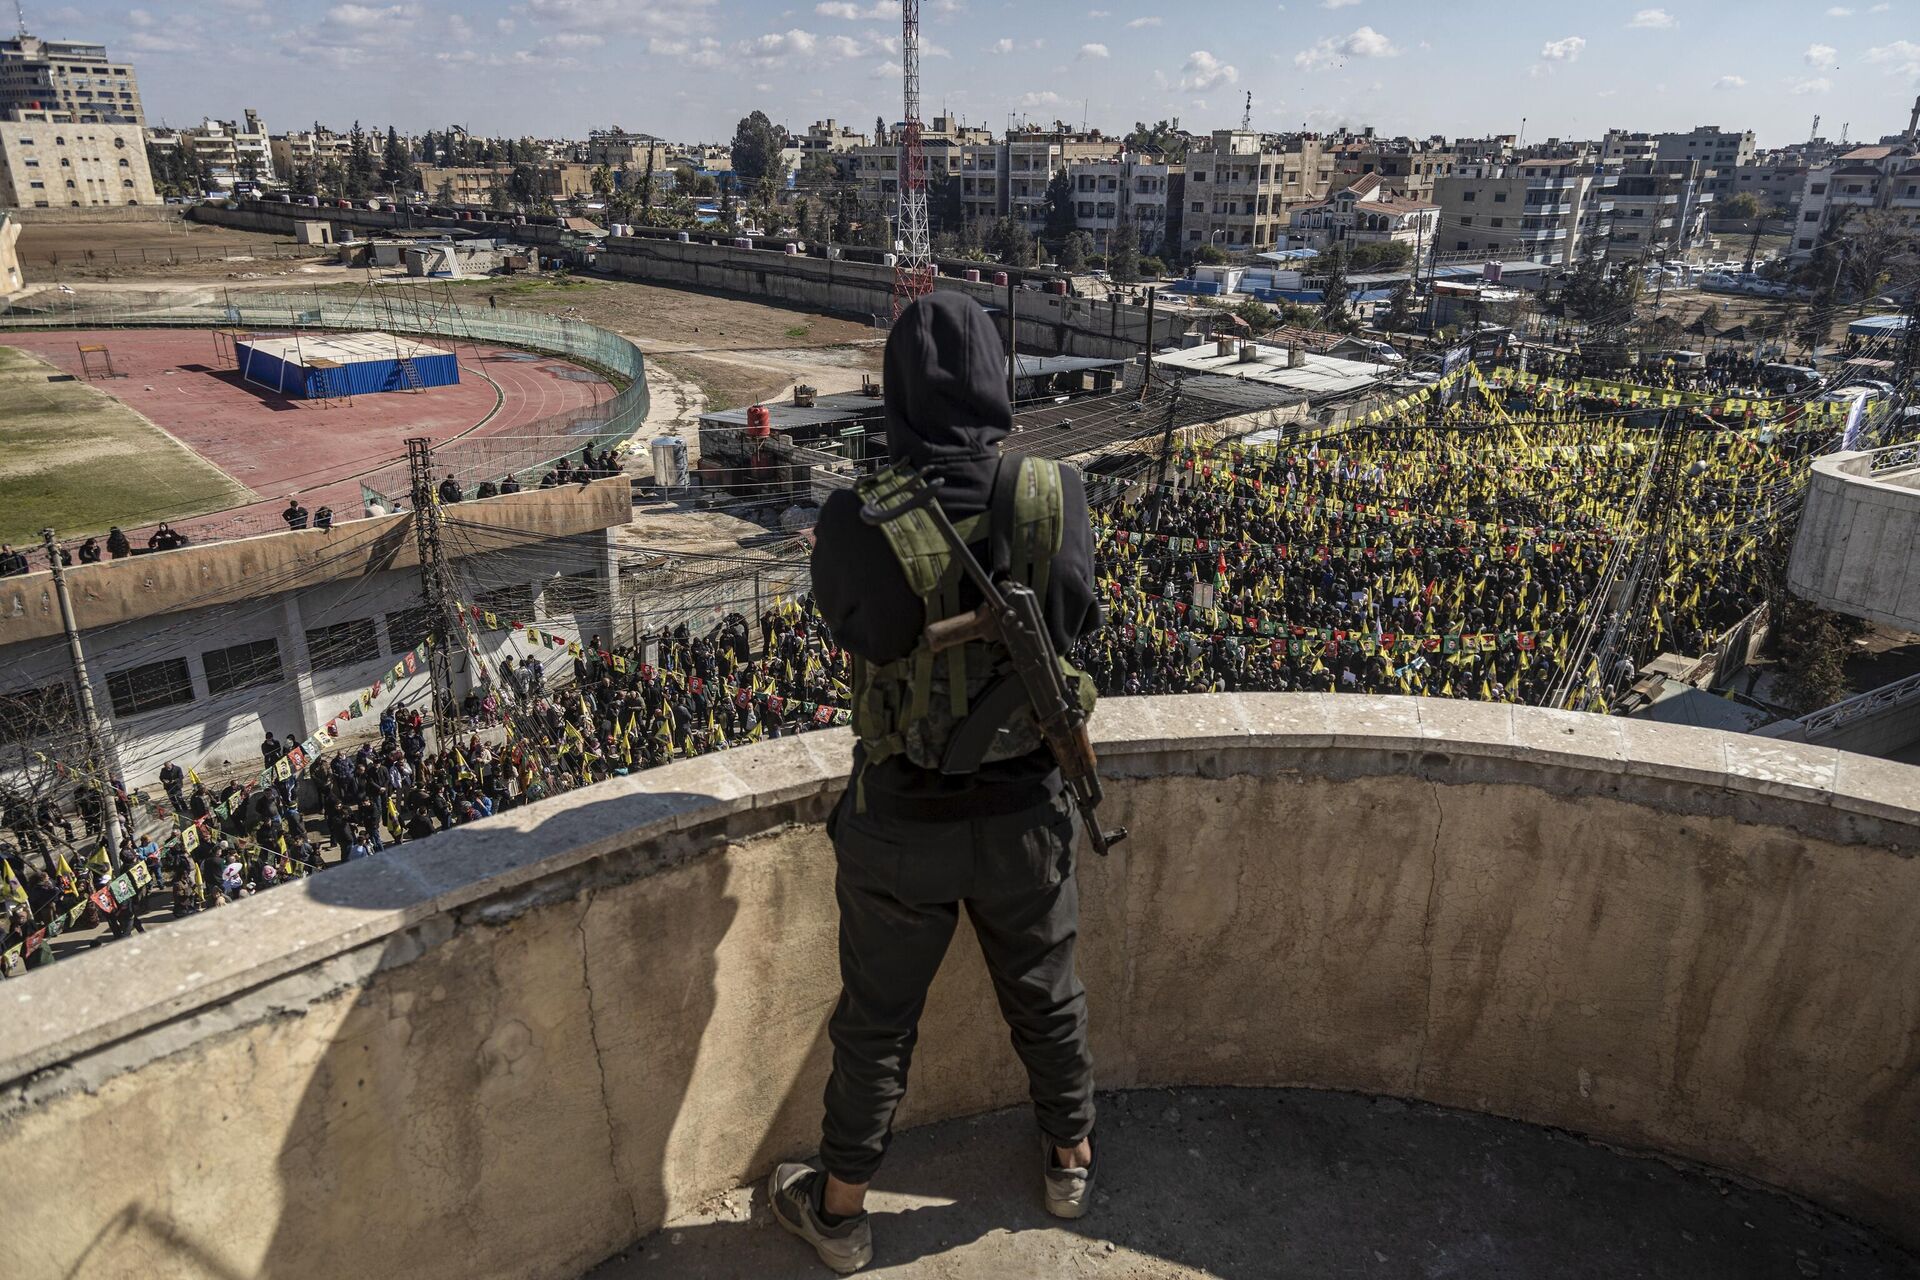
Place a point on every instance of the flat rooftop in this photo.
(1244, 1184)
(342, 348)
(1320, 376)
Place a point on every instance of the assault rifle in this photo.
(1009, 616)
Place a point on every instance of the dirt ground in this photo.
(162, 248)
(734, 350)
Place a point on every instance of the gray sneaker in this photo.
(794, 1191)
(1069, 1191)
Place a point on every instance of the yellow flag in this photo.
(11, 890)
(100, 861)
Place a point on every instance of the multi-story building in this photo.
(308, 148)
(1775, 183)
(231, 151)
(478, 184)
(1405, 167)
(1364, 213)
(619, 150)
(1877, 177)
(70, 78)
(1718, 152)
(50, 161)
(1532, 210)
(1127, 189)
(1241, 187)
(1659, 208)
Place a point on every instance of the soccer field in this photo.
(78, 460)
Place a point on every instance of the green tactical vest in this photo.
(915, 706)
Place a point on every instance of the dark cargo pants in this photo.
(900, 885)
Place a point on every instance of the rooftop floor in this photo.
(1245, 1183)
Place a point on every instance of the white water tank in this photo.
(669, 462)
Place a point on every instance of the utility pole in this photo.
(1166, 456)
(436, 584)
(89, 717)
(1013, 330)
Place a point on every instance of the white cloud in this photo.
(572, 40)
(1363, 42)
(1902, 55)
(1138, 23)
(1093, 52)
(1653, 19)
(1203, 71)
(1730, 82)
(1812, 84)
(778, 44)
(1879, 8)
(361, 17)
(1819, 55)
(1001, 46)
(881, 12)
(1563, 50)
(1839, 11)
(1099, 13)
(1047, 99)
(844, 47)
(1337, 4)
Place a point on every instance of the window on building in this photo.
(572, 593)
(1467, 221)
(511, 604)
(406, 628)
(166, 683)
(1811, 215)
(35, 715)
(342, 645)
(1499, 222)
(242, 666)
(1467, 196)
(1499, 197)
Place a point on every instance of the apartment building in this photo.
(477, 184)
(619, 150)
(1531, 210)
(1366, 212)
(231, 150)
(1659, 208)
(1884, 176)
(1404, 167)
(70, 78)
(49, 161)
(1242, 187)
(1127, 188)
(1774, 183)
(1718, 152)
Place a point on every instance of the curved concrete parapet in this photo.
(518, 1047)
(1857, 550)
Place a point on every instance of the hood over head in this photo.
(946, 382)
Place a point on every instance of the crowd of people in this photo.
(1472, 556)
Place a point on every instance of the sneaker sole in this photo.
(1067, 1209)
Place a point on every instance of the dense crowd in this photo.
(1469, 557)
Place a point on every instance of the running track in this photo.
(276, 445)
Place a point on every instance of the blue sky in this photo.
(688, 69)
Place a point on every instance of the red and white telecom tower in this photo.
(913, 245)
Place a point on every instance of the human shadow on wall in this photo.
(543, 1071)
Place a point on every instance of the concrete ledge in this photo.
(549, 1031)
(1857, 549)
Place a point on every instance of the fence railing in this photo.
(524, 451)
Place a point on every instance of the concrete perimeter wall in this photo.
(511, 1050)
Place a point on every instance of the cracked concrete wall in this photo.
(520, 1085)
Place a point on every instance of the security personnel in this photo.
(954, 799)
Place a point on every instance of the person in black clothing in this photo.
(11, 562)
(117, 545)
(449, 489)
(90, 551)
(173, 778)
(323, 519)
(510, 485)
(911, 843)
(295, 515)
(487, 489)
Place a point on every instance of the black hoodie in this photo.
(947, 411)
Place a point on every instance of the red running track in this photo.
(276, 445)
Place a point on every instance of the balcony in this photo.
(544, 1036)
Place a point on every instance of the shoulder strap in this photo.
(1003, 506)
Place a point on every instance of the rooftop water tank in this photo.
(759, 422)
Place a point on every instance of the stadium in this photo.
(237, 402)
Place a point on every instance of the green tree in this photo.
(1336, 310)
(1123, 252)
(1211, 255)
(601, 181)
(1060, 220)
(1400, 313)
(1152, 268)
(728, 219)
(1010, 243)
(756, 148)
(646, 183)
(1075, 251)
(362, 168)
(1386, 255)
(396, 163)
(1739, 205)
(815, 173)
(1164, 137)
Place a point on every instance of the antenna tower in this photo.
(1246, 117)
(913, 247)
(20, 12)
(1814, 133)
